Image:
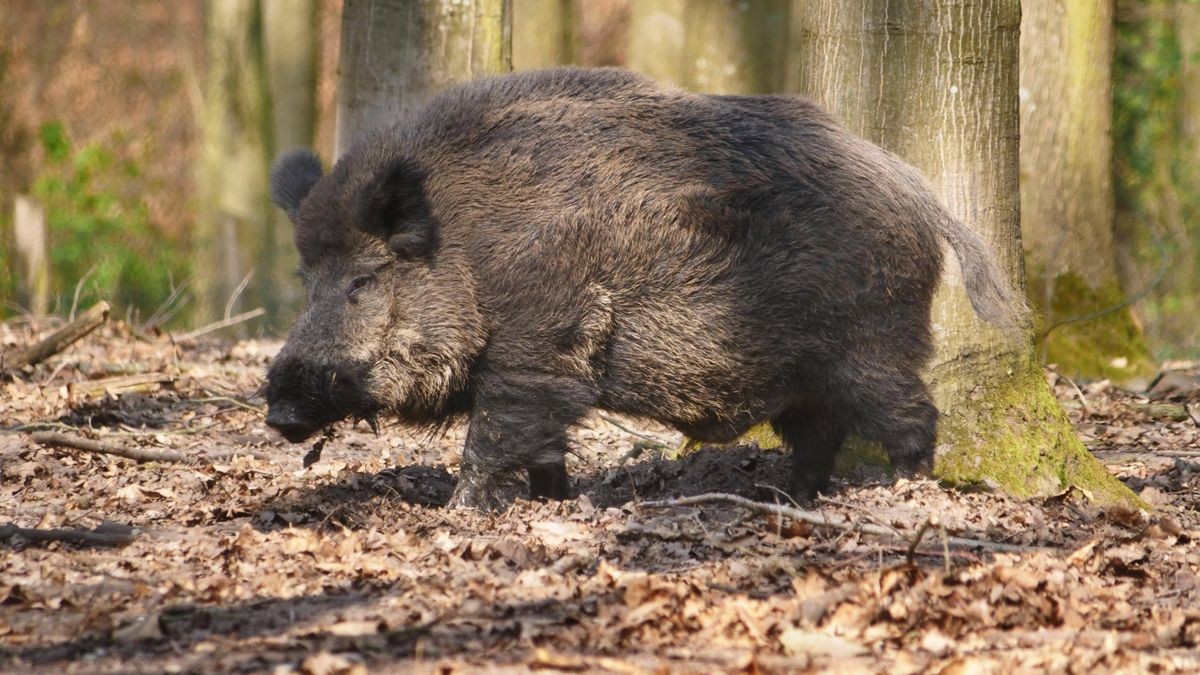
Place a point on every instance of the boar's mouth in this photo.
(302, 401)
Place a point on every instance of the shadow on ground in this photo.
(743, 470)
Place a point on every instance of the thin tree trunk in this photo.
(258, 98)
(234, 206)
(396, 54)
(936, 82)
(717, 46)
(1187, 268)
(290, 42)
(543, 33)
(1067, 202)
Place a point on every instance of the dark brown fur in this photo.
(533, 246)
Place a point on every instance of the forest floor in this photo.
(238, 558)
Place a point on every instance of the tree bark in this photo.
(935, 81)
(1067, 201)
(543, 33)
(715, 46)
(290, 45)
(234, 206)
(259, 96)
(396, 54)
(1186, 276)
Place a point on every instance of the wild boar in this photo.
(529, 247)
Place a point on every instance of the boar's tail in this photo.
(991, 295)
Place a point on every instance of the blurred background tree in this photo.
(1156, 116)
(396, 54)
(718, 46)
(1067, 204)
(258, 99)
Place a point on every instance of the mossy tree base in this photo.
(1109, 345)
(1015, 438)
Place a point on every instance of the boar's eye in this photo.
(358, 284)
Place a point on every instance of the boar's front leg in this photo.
(517, 440)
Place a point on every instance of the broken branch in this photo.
(824, 520)
(105, 534)
(59, 340)
(119, 384)
(100, 447)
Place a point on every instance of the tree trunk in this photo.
(935, 81)
(290, 41)
(1187, 27)
(259, 98)
(1157, 77)
(543, 33)
(1067, 202)
(396, 54)
(1186, 277)
(715, 46)
(234, 206)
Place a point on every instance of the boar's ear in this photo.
(292, 176)
(392, 207)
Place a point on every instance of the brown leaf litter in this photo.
(242, 559)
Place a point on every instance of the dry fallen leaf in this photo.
(797, 641)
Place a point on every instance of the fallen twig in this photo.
(916, 540)
(825, 520)
(59, 426)
(100, 447)
(216, 397)
(58, 340)
(223, 323)
(105, 534)
(122, 383)
(650, 441)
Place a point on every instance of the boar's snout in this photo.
(285, 417)
(303, 398)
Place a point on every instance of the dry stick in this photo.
(49, 426)
(223, 323)
(89, 445)
(649, 439)
(823, 520)
(140, 381)
(106, 534)
(60, 339)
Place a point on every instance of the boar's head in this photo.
(390, 324)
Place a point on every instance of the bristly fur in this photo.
(532, 246)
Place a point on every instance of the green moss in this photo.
(1017, 439)
(760, 434)
(856, 453)
(1109, 346)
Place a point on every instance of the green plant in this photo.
(97, 234)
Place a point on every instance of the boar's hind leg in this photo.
(517, 441)
(814, 435)
(896, 410)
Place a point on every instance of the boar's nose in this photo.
(285, 418)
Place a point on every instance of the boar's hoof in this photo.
(488, 491)
(806, 486)
(549, 482)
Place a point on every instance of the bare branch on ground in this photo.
(100, 447)
(59, 340)
(105, 534)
